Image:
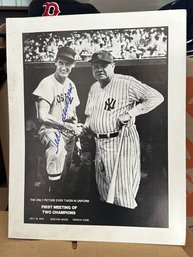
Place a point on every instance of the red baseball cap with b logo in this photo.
(59, 7)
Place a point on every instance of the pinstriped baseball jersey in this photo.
(104, 106)
(124, 94)
(128, 175)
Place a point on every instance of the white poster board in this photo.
(149, 46)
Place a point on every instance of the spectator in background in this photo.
(123, 44)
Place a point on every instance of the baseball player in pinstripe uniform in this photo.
(56, 101)
(113, 101)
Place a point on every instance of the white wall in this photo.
(128, 5)
(14, 2)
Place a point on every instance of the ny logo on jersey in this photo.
(110, 104)
(51, 9)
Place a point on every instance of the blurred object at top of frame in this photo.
(105, 6)
(188, 6)
(59, 7)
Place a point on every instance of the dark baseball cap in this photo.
(66, 53)
(59, 7)
(101, 56)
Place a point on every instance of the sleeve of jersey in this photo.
(44, 91)
(148, 98)
(89, 104)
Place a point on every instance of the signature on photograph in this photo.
(58, 133)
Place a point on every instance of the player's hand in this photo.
(68, 126)
(124, 119)
(79, 125)
(77, 129)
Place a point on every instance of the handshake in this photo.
(77, 129)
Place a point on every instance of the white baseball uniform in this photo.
(63, 100)
(124, 94)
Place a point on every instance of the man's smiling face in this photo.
(63, 67)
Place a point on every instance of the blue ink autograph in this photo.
(67, 101)
(50, 140)
(64, 114)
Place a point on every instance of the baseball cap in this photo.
(59, 7)
(101, 55)
(66, 53)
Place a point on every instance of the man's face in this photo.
(63, 67)
(103, 71)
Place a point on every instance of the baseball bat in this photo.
(111, 192)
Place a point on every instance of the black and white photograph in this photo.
(94, 132)
(81, 108)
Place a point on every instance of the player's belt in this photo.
(108, 135)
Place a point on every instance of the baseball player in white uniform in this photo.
(113, 101)
(56, 101)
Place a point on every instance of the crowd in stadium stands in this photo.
(123, 44)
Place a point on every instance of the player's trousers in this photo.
(128, 175)
(59, 152)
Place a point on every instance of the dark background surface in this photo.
(152, 198)
(12, 12)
